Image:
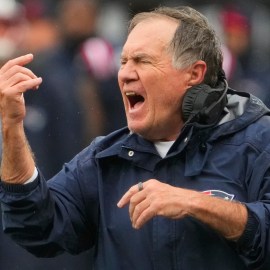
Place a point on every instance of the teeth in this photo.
(131, 94)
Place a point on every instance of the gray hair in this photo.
(194, 39)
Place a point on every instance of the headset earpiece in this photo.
(203, 104)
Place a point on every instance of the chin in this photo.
(143, 133)
(137, 129)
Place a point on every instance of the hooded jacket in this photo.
(76, 209)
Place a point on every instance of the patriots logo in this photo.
(219, 193)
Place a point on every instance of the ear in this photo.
(197, 72)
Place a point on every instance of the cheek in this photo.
(164, 107)
(166, 95)
(169, 106)
(163, 89)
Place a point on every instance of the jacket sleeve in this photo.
(254, 245)
(47, 218)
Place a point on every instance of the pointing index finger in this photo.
(21, 61)
(126, 197)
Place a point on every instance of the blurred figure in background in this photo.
(239, 59)
(42, 32)
(237, 34)
(12, 28)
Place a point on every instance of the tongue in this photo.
(137, 104)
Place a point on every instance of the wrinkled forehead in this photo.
(159, 22)
(154, 32)
(150, 16)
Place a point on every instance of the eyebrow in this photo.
(137, 56)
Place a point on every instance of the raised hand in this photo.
(15, 79)
(17, 163)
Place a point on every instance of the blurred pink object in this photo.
(98, 55)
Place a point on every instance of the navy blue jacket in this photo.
(76, 209)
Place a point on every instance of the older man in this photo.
(193, 163)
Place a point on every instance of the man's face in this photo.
(152, 89)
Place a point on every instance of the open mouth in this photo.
(134, 99)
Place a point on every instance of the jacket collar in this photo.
(202, 140)
(197, 141)
(134, 148)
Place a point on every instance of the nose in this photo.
(127, 73)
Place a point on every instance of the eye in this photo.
(144, 61)
(141, 60)
(123, 61)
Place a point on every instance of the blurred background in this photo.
(76, 44)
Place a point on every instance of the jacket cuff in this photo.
(19, 188)
(245, 243)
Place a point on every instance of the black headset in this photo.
(203, 105)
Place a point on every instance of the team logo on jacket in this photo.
(219, 193)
